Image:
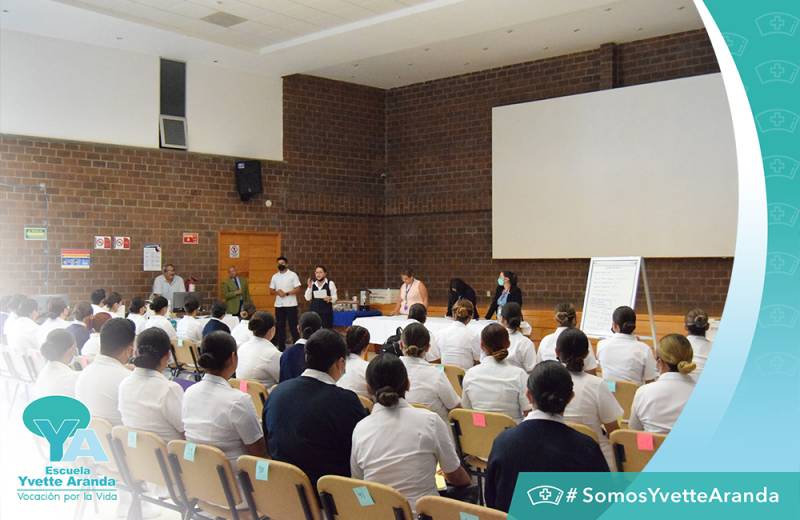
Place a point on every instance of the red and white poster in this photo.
(101, 242)
(191, 238)
(123, 243)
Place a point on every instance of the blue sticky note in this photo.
(612, 385)
(363, 496)
(131, 439)
(262, 470)
(188, 451)
(466, 516)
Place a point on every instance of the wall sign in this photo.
(35, 233)
(152, 257)
(233, 251)
(76, 258)
(123, 243)
(191, 239)
(102, 242)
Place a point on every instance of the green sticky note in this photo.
(131, 439)
(188, 451)
(612, 385)
(363, 496)
(467, 516)
(262, 470)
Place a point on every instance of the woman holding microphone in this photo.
(321, 292)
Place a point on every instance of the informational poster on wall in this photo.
(102, 242)
(76, 259)
(122, 243)
(152, 257)
(612, 282)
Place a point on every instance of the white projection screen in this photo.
(647, 170)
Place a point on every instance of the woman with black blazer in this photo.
(459, 290)
(506, 292)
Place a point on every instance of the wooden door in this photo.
(256, 261)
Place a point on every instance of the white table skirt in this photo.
(381, 327)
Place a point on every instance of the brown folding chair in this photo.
(440, 508)
(348, 498)
(185, 354)
(366, 402)
(277, 490)
(257, 391)
(583, 429)
(205, 481)
(632, 448)
(624, 392)
(455, 375)
(421, 406)
(142, 460)
(474, 433)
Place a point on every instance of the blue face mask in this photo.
(501, 281)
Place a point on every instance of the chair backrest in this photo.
(583, 429)
(257, 391)
(103, 428)
(624, 392)
(366, 402)
(455, 375)
(279, 490)
(347, 498)
(476, 431)
(440, 508)
(142, 451)
(185, 353)
(204, 472)
(421, 406)
(634, 449)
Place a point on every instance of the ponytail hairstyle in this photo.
(463, 310)
(218, 309)
(418, 312)
(191, 303)
(551, 387)
(158, 303)
(248, 310)
(697, 322)
(138, 303)
(310, 322)
(151, 346)
(512, 316)
(357, 339)
(565, 315)
(415, 340)
(58, 342)
(572, 347)
(625, 318)
(676, 352)
(56, 307)
(494, 338)
(388, 379)
(215, 350)
(261, 323)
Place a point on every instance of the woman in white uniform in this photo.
(398, 445)
(593, 404)
(91, 349)
(160, 306)
(57, 377)
(23, 333)
(136, 313)
(496, 385)
(148, 401)
(355, 372)
(418, 313)
(697, 326)
(57, 313)
(216, 414)
(429, 385)
(259, 359)
(622, 356)
(657, 406)
(459, 345)
(522, 351)
(566, 318)
(189, 327)
(241, 331)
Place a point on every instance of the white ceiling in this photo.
(383, 43)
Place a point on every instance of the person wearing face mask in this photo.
(57, 377)
(506, 292)
(321, 292)
(168, 283)
(285, 284)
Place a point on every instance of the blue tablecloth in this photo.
(345, 318)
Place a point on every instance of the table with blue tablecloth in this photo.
(346, 318)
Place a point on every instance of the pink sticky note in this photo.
(243, 386)
(479, 420)
(644, 441)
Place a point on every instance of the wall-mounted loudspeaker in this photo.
(248, 179)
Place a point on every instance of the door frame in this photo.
(276, 234)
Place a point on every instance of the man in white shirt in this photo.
(285, 284)
(168, 283)
(98, 384)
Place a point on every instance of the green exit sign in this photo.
(35, 233)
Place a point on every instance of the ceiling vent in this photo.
(224, 19)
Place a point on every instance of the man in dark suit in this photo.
(216, 323)
(235, 292)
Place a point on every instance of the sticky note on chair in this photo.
(132, 439)
(612, 385)
(180, 342)
(363, 496)
(262, 470)
(243, 385)
(188, 451)
(479, 420)
(467, 516)
(644, 441)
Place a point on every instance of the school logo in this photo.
(64, 423)
(545, 495)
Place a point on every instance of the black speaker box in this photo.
(248, 179)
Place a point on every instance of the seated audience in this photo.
(657, 406)
(216, 414)
(697, 325)
(522, 351)
(12, 307)
(458, 344)
(542, 442)
(98, 384)
(566, 318)
(496, 385)
(418, 313)
(293, 359)
(148, 401)
(308, 420)
(57, 377)
(112, 303)
(259, 359)
(91, 348)
(460, 290)
(81, 328)
(241, 332)
(398, 445)
(189, 327)
(593, 405)
(429, 384)
(622, 356)
(160, 306)
(22, 333)
(57, 314)
(215, 323)
(355, 375)
(137, 312)
(97, 297)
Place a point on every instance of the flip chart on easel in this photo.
(612, 282)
